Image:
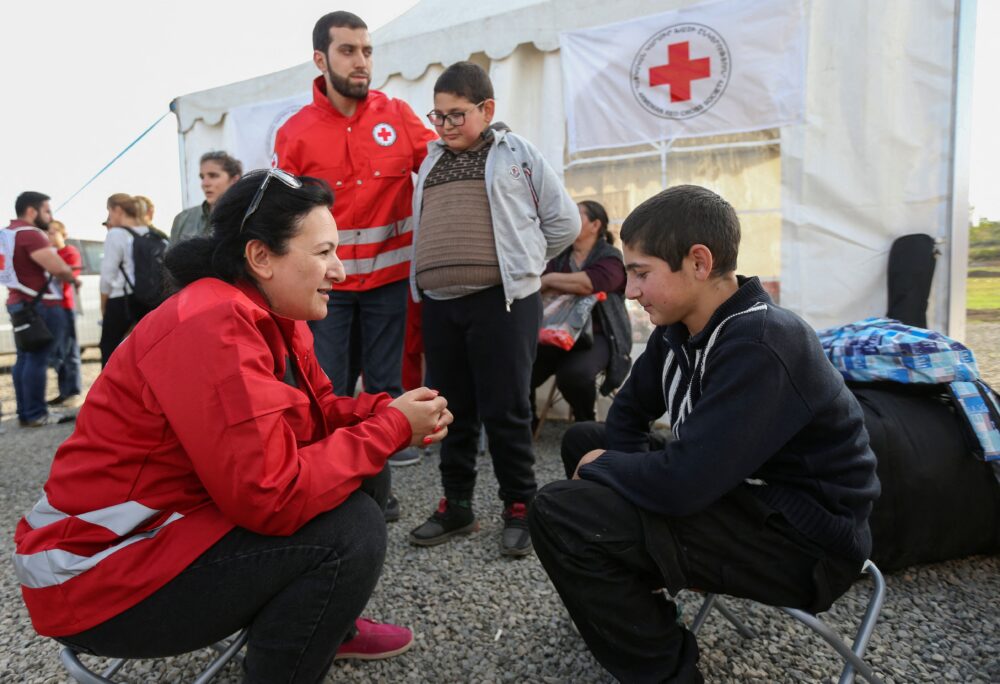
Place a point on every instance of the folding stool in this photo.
(227, 650)
(853, 655)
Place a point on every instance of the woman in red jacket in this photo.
(213, 480)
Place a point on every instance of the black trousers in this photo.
(299, 595)
(576, 373)
(479, 355)
(605, 557)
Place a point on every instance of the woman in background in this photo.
(591, 264)
(218, 172)
(65, 356)
(119, 314)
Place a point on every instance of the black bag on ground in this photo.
(148, 250)
(938, 500)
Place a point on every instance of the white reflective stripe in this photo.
(380, 261)
(120, 519)
(43, 513)
(53, 567)
(375, 235)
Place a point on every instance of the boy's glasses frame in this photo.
(456, 119)
(283, 176)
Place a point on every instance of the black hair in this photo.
(669, 223)
(595, 212)
(276, 220)
(231, 165)
(465, 79)
(321, 31)
(29, 200)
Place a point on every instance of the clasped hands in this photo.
(428, 414)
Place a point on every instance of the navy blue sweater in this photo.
(753, 401)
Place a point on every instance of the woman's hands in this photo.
(427, 412)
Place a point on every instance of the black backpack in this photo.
(147, 255)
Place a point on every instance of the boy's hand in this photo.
(427, 414)
(587, 458)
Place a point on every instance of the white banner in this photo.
(254, 127)
(719, 67)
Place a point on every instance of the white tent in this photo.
(883, 150)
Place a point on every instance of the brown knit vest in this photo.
(455, 253)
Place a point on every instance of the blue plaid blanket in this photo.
(881, 349)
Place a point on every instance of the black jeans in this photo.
(576, 373)
(479, 355)
(605, 557)
(299, 595)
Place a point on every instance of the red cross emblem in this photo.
(679, 71)
(384, 134)
(695, 85)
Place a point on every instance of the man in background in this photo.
(34, 259)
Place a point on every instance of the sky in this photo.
(81, 80)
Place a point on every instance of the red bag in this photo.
(565, 317)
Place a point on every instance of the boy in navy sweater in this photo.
(763, 490)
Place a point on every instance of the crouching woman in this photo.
(213, 480)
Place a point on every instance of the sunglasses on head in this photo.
(283, 176)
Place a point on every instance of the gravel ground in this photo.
(479, 617)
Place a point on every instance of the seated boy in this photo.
(763, 492)
(488, 211)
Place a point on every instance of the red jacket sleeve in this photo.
(233, 417)
(343, 412)
(416, 131)
(284, 152)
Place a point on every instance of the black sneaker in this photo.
(391, 509)
(515, 540)
(447, 521)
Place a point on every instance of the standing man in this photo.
(32, 256)
(365, 145)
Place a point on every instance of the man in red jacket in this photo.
(365, 145)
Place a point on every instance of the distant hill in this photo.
(984, 244)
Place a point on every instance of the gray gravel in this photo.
(479, 617)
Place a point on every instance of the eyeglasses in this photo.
(455, 118)
(283, 176)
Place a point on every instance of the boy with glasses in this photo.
(488, 212)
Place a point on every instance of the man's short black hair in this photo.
(29, 200)
(668, 224)
(321, 31)
(465, 79)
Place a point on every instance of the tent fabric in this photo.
(872, 160)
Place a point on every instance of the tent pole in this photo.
(961, 118)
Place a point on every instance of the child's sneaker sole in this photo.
(442, 538)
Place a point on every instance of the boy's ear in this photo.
(702, 261)
(489, 109)
(258, 258)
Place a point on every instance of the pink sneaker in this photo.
(375, 641)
